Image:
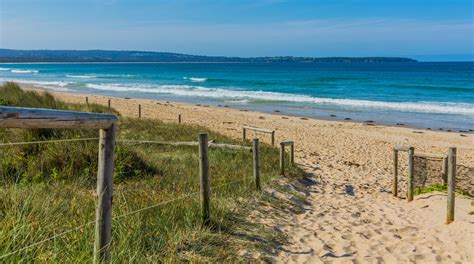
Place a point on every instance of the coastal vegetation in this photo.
(9, 55)
(48, 189)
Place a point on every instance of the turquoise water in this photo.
(434, 95)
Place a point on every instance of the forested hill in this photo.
(9, 55)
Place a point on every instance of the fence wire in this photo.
(115, 218)
(46, 141)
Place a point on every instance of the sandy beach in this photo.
(352, 216)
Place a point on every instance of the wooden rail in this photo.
(20, 117)
(258, 129)
(430, 155)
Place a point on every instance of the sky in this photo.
(420, 29)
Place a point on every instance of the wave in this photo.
(195, 79)
(82, 76)
(218, 93)
(118, 76)
(5, 69)
(52, 85)
(24, 71)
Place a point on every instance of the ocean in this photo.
(424, 95)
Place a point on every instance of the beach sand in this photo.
(352, 216)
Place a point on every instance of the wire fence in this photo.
(68, 231)
(63, 233)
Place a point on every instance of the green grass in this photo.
(49, 188)
(438, 187)
(431, 188)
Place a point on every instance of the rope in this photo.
(46, 141)
(113, 218)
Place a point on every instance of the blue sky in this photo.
(427, 30)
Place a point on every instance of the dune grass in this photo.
(49, 188)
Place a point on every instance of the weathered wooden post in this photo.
(103, 227)
(256, 163)
(411, 171)
(87, 100)
(292, 153)
(179, 118)
(244, 136)
(282, 159)
(139, 111)
(204, 173)
(445, 170)
(451, 184)
(273, 138)
(395, 173)
(109, 104)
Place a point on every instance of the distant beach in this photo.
(438, 96)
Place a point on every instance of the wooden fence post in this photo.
(256, 163)
(411, 171)
(87, 100)
(139, 111)
(109, 104)
(445, 170)
(273, 138)
(179, 118)
(451, 184)
(103, 222)
(244, 136)
(282, 159)
(395, 173)
(292, 153)
(204, 173)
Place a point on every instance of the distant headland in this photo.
(11, 55)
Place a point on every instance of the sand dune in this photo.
(352, 217)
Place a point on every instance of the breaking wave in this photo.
(24, 71)
(218, 93)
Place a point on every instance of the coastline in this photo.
(367, 224)
(264, 110)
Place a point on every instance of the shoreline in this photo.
(276, 112)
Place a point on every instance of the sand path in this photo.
(352, 216)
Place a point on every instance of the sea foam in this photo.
(81, 76)
(24, 71)
(218, 93)
(195, 79)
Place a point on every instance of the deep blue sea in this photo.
(425, 94)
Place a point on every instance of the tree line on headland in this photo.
(11, 55)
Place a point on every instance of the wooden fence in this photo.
(257, 129)
(33, 118)
(448, 174)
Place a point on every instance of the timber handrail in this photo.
(430, 155)
(263, 130)
(21, 117)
